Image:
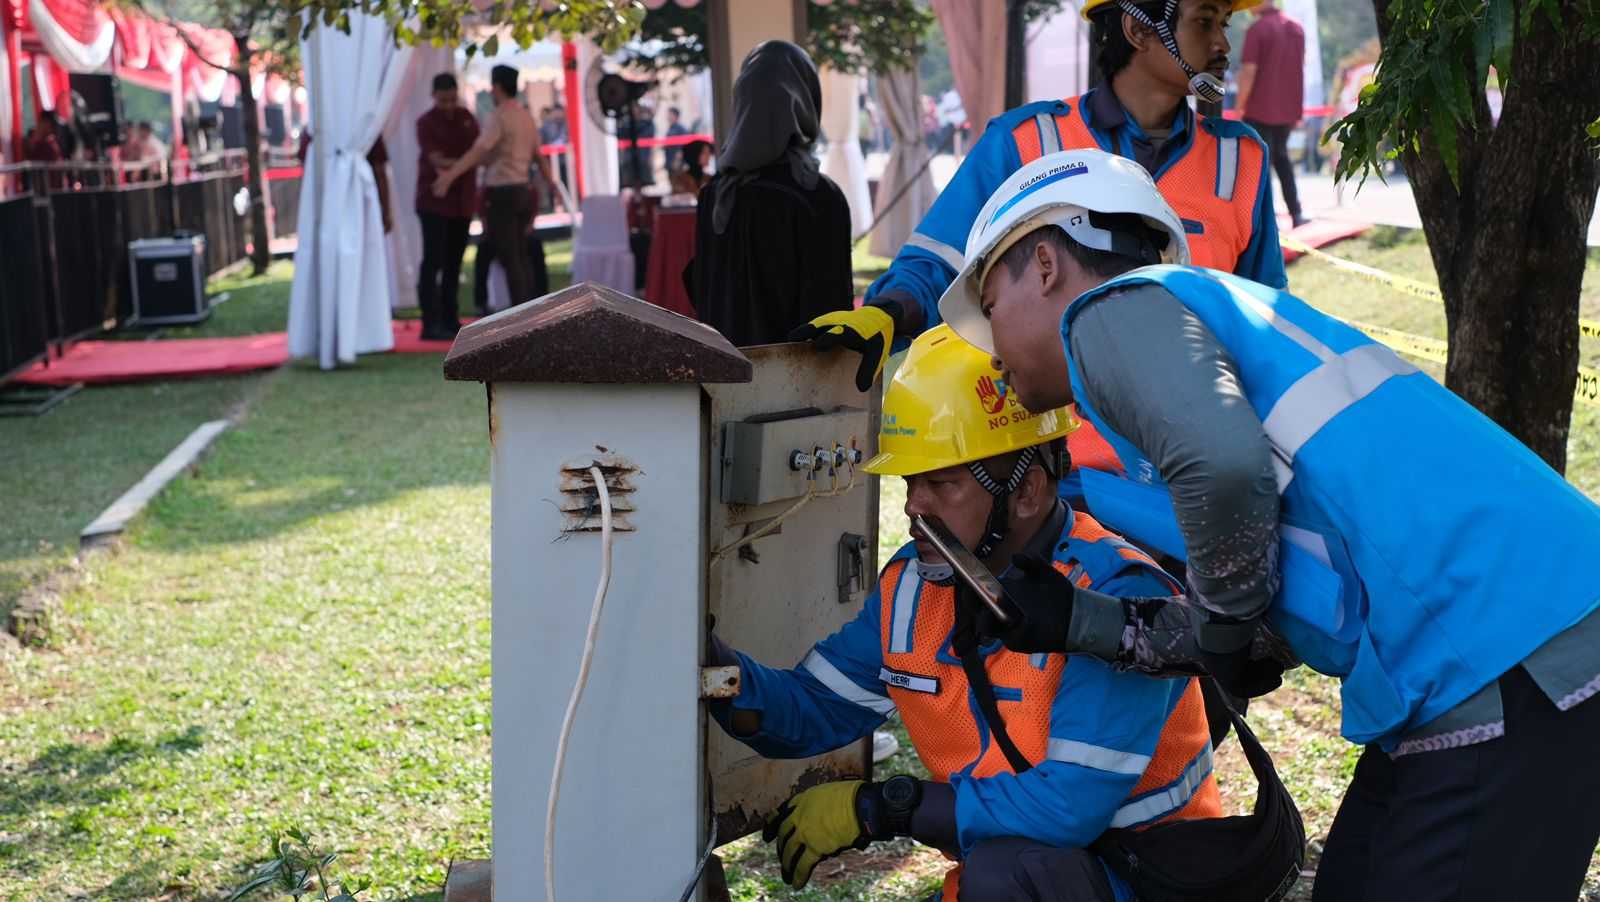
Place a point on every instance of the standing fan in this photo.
(609, 97)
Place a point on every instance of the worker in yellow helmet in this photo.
(1031, 757)
(1212, 171)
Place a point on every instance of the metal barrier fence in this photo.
(65, 229)
(283, 194)
(25, 329)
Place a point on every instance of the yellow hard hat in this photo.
(1090, 7)
(948, 405)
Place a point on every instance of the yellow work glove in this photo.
(816, 825)
(867, 330)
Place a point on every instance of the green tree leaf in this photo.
(1501, 26)
(1444, 141)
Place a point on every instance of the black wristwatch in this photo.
(901, 796)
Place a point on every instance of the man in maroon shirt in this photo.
(1271, 90)
(444, 133)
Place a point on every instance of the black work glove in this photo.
(1038, 600)
(1242, 675)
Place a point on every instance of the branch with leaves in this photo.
(1437, 61)
(868, 35)
(453, 23)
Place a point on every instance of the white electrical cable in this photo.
(577, 688)
(763, 531)
(793, 509)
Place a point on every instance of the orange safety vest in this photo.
(1212, 187)
(942, 724)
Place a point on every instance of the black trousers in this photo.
(444, 240)
(507, 212)
(1021, 870)
(480, 272)
(1515, 818)
(1277, 138)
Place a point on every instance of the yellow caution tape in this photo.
(1414, 345)
(1587, 327)
(1587, 390)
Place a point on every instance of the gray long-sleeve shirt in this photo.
(1159, 378)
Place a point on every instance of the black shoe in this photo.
(1298, 220)
(434, 333)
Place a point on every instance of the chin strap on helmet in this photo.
(994, 531)
(1206, 86)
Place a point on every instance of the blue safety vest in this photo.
(1424, 551)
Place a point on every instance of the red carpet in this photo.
(105, 362)
(1321, 233)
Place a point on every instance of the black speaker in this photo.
(275, 126)
(168, 279)
(102, 104)
(232, 126)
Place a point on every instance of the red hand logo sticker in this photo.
(990, 396)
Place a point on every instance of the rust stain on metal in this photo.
(592, 334)
(719, 682)
(580, 499)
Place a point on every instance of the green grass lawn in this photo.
(298, 632)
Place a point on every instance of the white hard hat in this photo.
(1059, 189)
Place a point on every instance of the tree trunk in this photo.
(1509, 246)
(255, 178)
(1016, 54)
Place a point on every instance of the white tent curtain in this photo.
(400, 137)
(339, 304)
(73, 55)
(599, 144)
(5, 99)
(841, 122)
(900, 97)
(44, 81)
(976, 33)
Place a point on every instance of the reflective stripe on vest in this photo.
(1169, 799)
(1227, 166)
(844, 687)
(1321, 394)
(951, 257)
(1049, 136)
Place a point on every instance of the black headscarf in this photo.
(777, 104)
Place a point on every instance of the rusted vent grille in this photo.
(580, 500)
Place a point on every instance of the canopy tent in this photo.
(340, 300)
(78, 34)
(60, 37)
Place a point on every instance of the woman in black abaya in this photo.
(772, 232)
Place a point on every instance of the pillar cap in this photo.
(593, 334)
